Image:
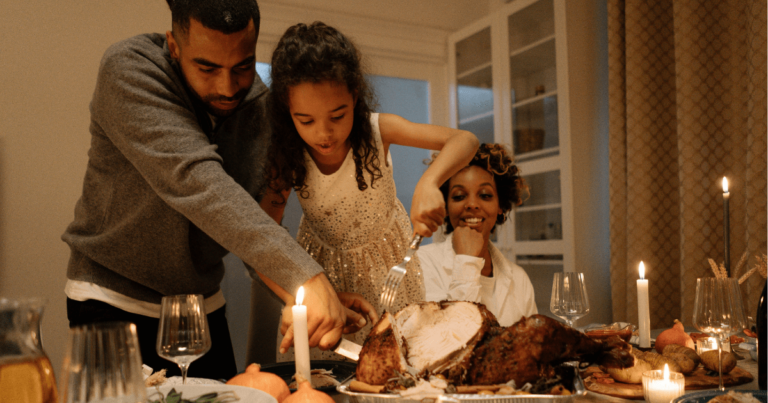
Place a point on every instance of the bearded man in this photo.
(173, 184)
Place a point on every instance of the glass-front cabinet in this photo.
(510, 84)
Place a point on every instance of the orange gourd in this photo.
(264, 381)
(305, 394)
(674, 335)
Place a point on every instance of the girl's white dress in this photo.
(357, 236)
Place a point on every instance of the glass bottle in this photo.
(26, 374)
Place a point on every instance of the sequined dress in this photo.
(357, 236)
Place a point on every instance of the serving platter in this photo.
(695, 381)
(707, 395)
(359, 397)
(286, 370)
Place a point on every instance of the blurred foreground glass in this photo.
(569, 296)
(183, 334)
(718, 310)
(26, 375)
(103, 364)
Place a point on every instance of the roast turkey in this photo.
(463, 342)
(424, 338)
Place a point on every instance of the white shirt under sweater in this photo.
(447, 276)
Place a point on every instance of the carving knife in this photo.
(348, 349)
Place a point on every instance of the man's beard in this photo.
(208, 100)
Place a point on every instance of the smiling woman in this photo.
(467, 266)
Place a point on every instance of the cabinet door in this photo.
(538, 244)
(474, 84)
(533, 81)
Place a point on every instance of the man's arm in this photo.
(142, 107)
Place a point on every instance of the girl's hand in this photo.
(360, 312)
(467, 241)
(427, 209)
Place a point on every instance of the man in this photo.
(178, 142)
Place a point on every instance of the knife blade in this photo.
(348, 349)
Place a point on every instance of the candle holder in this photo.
(656, 389)
(710, 343)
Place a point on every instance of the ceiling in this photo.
(449, 15)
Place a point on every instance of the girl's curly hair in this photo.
(316, 53)
(510, 186)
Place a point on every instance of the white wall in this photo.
(49, 56)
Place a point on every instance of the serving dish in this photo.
(601, 332)
(360, 397)
(707, 395)
(236, 394)
(341, 370)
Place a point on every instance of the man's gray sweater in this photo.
(165, 196)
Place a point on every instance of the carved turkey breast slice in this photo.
(422, 338)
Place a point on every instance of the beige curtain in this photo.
(687, 94)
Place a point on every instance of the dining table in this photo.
(747, 364)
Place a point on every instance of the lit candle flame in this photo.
(642, 271)
(725, 184)
(666, 373)
(300, 296)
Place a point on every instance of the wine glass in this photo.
(103, 364)
(569, 296)
(718, 311)
(183, 334)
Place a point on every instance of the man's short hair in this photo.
(227, 16)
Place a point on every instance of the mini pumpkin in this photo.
(674, 335)
(264, 381)
(306, 394)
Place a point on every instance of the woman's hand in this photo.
(467, 241)
(427, 209)
(358, 309)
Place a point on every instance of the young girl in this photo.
(333, 151)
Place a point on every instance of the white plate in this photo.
(177, 380)
(191, 392)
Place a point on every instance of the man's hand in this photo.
(467, 241)
(326, 316)
(358, 308)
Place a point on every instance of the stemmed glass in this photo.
(569, 296)
(718, 311)
(103, 364)
(183, 334)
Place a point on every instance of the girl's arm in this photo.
(457, 147)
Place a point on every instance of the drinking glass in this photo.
(718, 311)
(183, 334)
(569, 297)
(103, 364)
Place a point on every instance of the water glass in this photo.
(569, 296)
(718, 310)
(103, 364)
(183, 335)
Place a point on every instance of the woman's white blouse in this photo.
(448, 276)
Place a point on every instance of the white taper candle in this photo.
(301, 337)
(643, 310)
